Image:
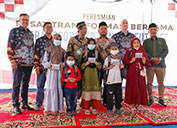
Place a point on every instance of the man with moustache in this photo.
(102, 44)
(157, 50)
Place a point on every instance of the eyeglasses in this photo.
(25, 19)
(48, 27)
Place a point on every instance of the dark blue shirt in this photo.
(41, 45)
(21, 46)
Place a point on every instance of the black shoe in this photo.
(17, 110)
(161, 102)
(151, 101)
(27, 107)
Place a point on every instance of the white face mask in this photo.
(70, 63)
(114, 52)
(136, 48)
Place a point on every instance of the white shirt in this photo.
(114, 75)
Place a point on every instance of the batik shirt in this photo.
(123, 41)
(102, 46)
(41, 45)
(77, 46)
(20, 47)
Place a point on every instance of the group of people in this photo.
(84, 67)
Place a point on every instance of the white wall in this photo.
(73, 11)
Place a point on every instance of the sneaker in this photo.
(117, 111)
(73, 113)
(94, 111)
(151, 101)
(37, 108)
(87, 112)
(69, 114)
(110, 112)
(161, 102)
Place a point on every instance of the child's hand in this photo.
(74, 80)
(121, 66)
(37, 71)
(87, 63)
(50, 66)
(111, 66)
(66, 80)
(133, 60)
(61, 67)
(144, 60)
(96, 63)
(14, 65)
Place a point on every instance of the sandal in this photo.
(87, 112)
(94, 111)
(110, 112)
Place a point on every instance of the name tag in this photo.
(79, 51)
(91, 59)
(138, 55)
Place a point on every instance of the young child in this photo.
(113, 80)
(53, 61)
(136, 93)
(70, 76)
(91, 93)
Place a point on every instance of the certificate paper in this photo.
(138, 55)
(91, 59)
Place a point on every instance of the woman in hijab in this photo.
(53, 61)
(135, 92)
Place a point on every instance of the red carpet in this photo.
(154, 115)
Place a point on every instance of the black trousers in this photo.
(111, 91)
(21, 77)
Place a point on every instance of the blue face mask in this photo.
(114, 52)
(91, 46)
(70, 63)
(57, 42)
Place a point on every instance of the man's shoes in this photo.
(110, 112)
(37, 108)
(17, 110)
(151, 101)
(161, 102)
(27, 107)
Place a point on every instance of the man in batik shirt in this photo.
(22, 56)
(102, 44)
(103, 41)
(77, 45)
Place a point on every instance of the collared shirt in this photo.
(77, 46)
(41, 45)
(21, 47)
(102, 46)
(123, 41)
(156, 48)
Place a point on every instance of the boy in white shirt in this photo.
(113, 81)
